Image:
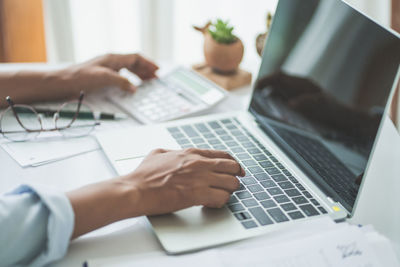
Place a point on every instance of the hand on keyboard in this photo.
(167, 181)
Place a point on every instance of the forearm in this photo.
(33, 86)
(103, 203)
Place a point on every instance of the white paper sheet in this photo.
(341, 245)
(45, 150)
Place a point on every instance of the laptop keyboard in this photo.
(332, 171)
(268, 193)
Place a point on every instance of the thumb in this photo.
(121, 82)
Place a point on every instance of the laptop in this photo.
(324, 86)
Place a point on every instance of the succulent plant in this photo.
(221, 32)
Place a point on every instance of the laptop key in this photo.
(231, 126)
(281, 199)
(201, 127)
(233, 200)
(322, 210)
(214, 142)
(198, 140)
(243, 156)
(288, 207)
(309, 210)
(279, 178)
(266, 164)
(314, 201)
(189, 131)
(236, 149)
(209, 135)
(262, 176)
(249, 162)
(237, 133)
(260, 157)
(242, 138)
(232, 144)
(307, 194)
(254, 150)
(177, 135)
(260, 216)
(248, 180)
(236, 207)
(273, 171)
(268, 203)
(183, 141)
(261, 196)
(293, 192)
(221, 132)
(255, 169)
(242, 215)
(274, 191)
(249, 224)
(226, 121)
(173, 130)
(243, 194)
(277, 215)
(268, 183)
(248, 144)
(300, 200)
(286, 185)
(300, 186)
(214, 125)
(204, 146)
(255, 188)
(220, 147)
(295, 215)
(250, 202)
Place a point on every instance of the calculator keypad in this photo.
(156, 103)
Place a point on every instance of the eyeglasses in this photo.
(23, 122)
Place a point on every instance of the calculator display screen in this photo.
(197, 86)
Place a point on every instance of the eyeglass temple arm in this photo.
(11, 104)
(82, 94)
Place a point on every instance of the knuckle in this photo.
(190, 150)
(156, 151)
(108, 56)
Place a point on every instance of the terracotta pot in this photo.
(224, 58)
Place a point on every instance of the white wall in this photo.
(162, 29)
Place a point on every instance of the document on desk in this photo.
(342, 245)
(46, 150)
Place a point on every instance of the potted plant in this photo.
(223, 51)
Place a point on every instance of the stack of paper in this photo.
(45, 150)
(316, 243)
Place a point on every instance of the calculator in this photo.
(180, 93)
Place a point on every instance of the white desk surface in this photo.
(129, 237)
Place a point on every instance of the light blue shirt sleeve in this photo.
(36, 225)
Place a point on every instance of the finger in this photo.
(224, 166)
(114, 79)
(223, 181)
(211, 153)
(214, 198)
(143, 68)
(159, 151)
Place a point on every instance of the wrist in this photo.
(59, 83)
(128, 195)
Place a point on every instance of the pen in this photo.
(83, 114)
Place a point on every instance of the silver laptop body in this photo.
(324, 85)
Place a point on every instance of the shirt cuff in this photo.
(60, 222)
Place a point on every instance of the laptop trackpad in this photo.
(127, 148)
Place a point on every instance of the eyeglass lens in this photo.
(72, 125)
(12, 128)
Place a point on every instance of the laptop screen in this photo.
(325, 78)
